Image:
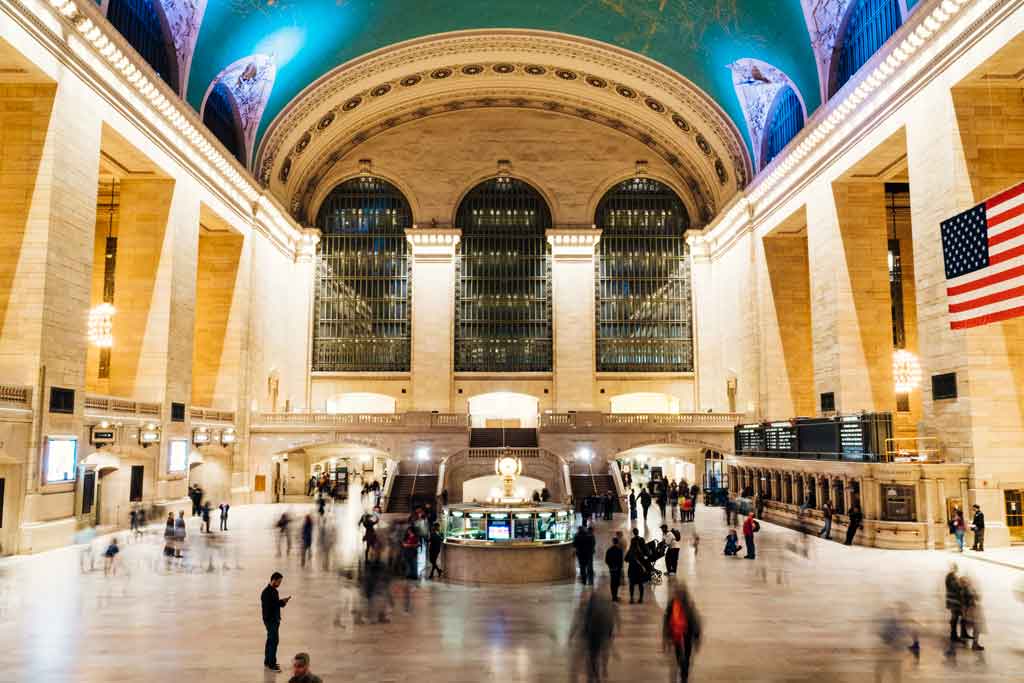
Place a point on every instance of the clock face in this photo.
(508, 467)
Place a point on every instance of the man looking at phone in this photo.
(272, 603)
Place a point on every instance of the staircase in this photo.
(410, 490)
(502, 438)
(584, 485)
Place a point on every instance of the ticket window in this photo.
(1015, 514)
(899, 503)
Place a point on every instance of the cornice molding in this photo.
(103, 59)
(935, 36)
(573, 243)
(433, 244)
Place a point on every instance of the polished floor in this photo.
(781, 617)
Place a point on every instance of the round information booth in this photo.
(508, 543)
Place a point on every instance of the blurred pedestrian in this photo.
(732, 543)
(972, 614)
(662, 502)
(681, 631)
(826, 530)
(856, 517)
(307, 539)
(434, 550)
(180, 534)
(955, 605)
(410, 552)
(271, 603)
(593, 628)
(614, 558)
(670, 539)
(301, 672)
(205, 511)
(110, 558)
(632, 505)
(369, 522)
(283, 533)
(645, 502)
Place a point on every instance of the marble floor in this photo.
(782, 617)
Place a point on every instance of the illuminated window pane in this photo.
(644, 317)
(786, 120)
(362, 315)
(503, 289)
(140, 23)
(869, 24)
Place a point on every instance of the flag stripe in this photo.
(1004, 228)
(1006, 196)
(989, 318)
(1010, 243)
(1005, 255)
(995, 297)
(994, 220)
(992, 279)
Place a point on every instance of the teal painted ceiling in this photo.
(697, 38)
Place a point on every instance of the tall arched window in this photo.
(220, 115)
(785, 120)
(869, 23)
(644, 312)
(503, 290)
(141, 24)
(362, 284)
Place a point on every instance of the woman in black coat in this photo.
(637, 571)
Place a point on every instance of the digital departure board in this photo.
(780, 436)
(749, 438)
(851, 436)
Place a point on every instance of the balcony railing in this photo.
(15, 394)
(120, 406)
(210, 415)
(492, 453)
(618, 421)
(416, 420)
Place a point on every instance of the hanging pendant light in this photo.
(906, 371)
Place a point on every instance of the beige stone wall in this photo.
(219, 321)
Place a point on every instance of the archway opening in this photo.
(645, 402)
(503, 410)
(658, 465)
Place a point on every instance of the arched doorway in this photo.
(102, 482)
(209, 467)
(504, 410)
(661, 464)
(342, 463)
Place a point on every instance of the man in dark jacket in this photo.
(614, 558)
(645, 502)
(301, 672)
(585, 545)
(978, 525)
(272, 602)
(856, 517)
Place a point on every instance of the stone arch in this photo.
(532, 182)
(339, 176)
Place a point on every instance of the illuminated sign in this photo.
(177, 458)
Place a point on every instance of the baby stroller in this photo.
(655, 550)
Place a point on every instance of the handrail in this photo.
(492, 453)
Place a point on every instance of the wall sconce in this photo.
(149, 434)
(228, 437)
(201, 436)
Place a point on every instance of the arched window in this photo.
(503, 290)
(221, 116)
(362, 283)
(869, 23)
(785, 120)
(644, 318)
(142, 25)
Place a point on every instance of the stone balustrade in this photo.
(592, 421)
(209, 415)
(16, 394)
(412, 421)
(110, 405)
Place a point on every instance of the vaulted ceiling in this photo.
(699, 39)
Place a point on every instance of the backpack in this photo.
(757, 527)
(677, 623)
(675, 532)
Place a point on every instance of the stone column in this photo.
(572, 283)
(49, 175)
(305, 259)
(433, 316)
(847, 498)
(927, 486)
(850, 302)
(962, 147)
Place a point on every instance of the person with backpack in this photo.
(681, 631)
(670, 538)
(750, 527)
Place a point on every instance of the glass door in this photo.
(1015, 514)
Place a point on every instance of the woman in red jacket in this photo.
(750, 527)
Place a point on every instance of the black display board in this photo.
(818, 435)
(780, 437)
(749, 438)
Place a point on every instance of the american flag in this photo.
(984, 256)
